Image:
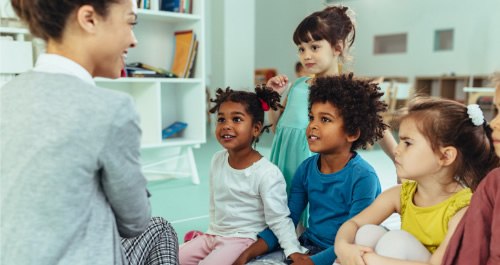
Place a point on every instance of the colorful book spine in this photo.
(170, 5)
(180, 6)
(192, 58)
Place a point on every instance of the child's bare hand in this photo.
(351, 254)
(301, 259)
(242, 259)
(278, 83)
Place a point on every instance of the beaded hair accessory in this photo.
(475, 114)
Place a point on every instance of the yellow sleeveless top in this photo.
(429, 224)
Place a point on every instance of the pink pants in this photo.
(212, 250)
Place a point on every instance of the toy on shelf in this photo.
(173, 129)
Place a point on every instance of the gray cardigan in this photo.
(71, 181)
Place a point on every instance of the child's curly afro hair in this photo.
(359, 103)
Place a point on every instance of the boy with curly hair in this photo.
(337, 183)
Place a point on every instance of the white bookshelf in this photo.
(159, 101)
(162, 101)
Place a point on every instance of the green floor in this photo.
(185, 204)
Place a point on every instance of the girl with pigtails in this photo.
(247, 192)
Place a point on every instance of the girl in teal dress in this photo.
(323, 39)
(289, 146)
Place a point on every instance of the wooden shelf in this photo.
(450, 87)
(399, 79)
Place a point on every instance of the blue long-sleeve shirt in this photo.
(333, 199)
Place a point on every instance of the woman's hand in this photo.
(278, 83)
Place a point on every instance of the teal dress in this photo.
(290, 148)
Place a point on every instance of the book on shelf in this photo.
(157, 70)
(192, 62)
(173, 129)
(184, 47)
(138, 69)
(148, 75)
(170, 5)
(192, 71)
(130, 70)
(180, 6)
(144, 4)
(188, 6)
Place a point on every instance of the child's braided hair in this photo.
(256, 103)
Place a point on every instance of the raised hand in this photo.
(278, 83)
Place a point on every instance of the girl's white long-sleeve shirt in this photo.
(244, 202)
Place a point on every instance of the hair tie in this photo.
(475, 114)
(264, 105)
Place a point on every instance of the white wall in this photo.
(476, 27)
(472, 21)
(276, 21)
(232, 38)
(6, 10)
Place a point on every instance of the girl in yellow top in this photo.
(445, 149)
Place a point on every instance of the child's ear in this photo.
(338, 48)
(257, 127)
(86, 18)
(448, 155)
(354, 137)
